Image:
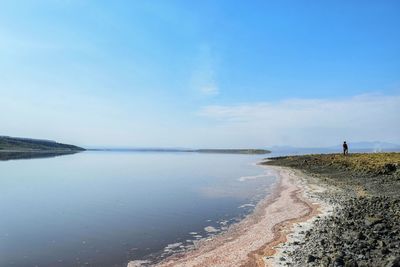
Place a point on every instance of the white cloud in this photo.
(87, 120)
(307, 122)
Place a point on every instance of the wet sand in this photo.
(252, 241)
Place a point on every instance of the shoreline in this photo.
(295, 231)
(360, 224)
(253, 241)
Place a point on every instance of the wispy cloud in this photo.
(204, 76)
(309, 122)
(210, 89)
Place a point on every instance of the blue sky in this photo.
(200, 73)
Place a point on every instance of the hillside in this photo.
(14, 144)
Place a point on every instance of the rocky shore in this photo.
(363, 229)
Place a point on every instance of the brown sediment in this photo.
(280, 231)
(249, 241)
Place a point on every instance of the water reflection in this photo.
(32, 155)
(105, 209)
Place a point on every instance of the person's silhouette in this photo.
(345, 148)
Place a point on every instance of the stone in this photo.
(311, 258)
(351, 263)
(372, 220)
(338, 261)
(393, 262)
(389, 168)
(325, 260)
(379, 227)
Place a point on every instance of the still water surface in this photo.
(107, 208)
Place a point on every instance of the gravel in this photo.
(364, 229)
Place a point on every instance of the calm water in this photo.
(107, 208)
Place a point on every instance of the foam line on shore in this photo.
(250, 241)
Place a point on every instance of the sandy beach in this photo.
(252, 241)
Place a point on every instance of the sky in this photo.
(196, 74)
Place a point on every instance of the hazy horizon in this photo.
(205, 74)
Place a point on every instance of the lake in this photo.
(107, 208)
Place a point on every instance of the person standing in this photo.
(345, 148)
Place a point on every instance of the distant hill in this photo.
(233, 151)
(375, 146)
(16, 144)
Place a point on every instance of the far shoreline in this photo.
(240, 151)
